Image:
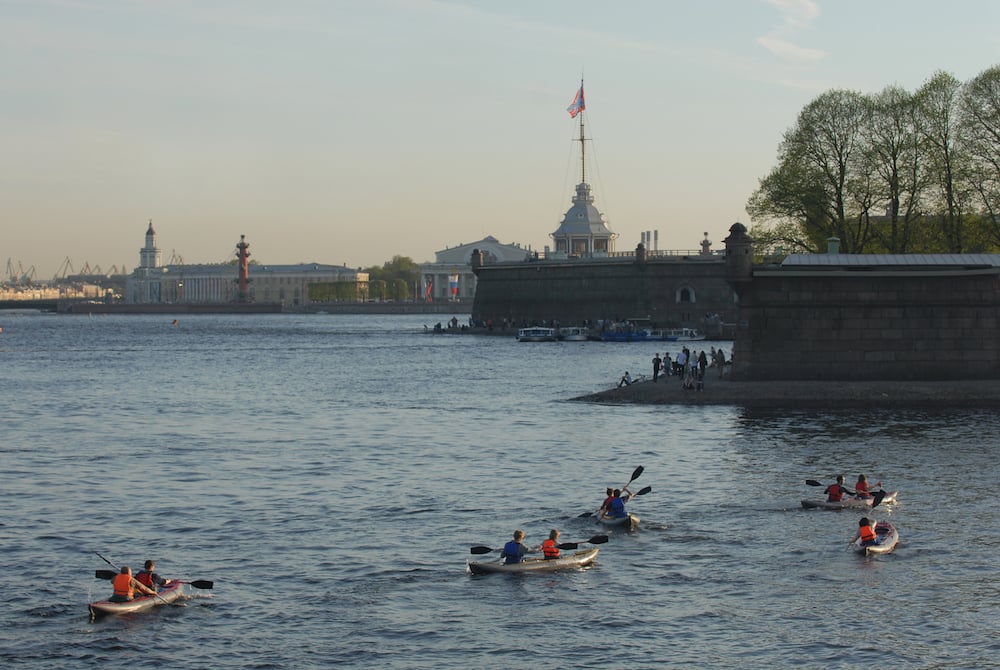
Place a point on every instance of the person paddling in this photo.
(616, 509)
(514, 551)
(836, 492)
(610, 493)
(866, 532)
(861, 489)
(551, 546)
(125, 586)
(150, 579)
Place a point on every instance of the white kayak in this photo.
(852, 502)
(577, 559)
(629, 522)
(164, 596)
(886, 539)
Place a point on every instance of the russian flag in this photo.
(578, 104)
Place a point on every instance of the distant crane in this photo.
(18, 275)
(66, 267)
(175, 258)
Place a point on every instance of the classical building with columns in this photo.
(450, 276)
(290, 285)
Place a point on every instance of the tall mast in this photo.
(583, 149)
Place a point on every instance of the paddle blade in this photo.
(644, 490)
(813, 482)
(104, 574)
(598, 539)
(480, 550)
(201, 584)
(877, 498)
(584, 515)
(635, 474)
(568, 546)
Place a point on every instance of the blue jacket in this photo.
(617, 508)
(513, 551)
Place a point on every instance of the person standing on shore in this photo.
(657, 361)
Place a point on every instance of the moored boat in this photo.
(578, 559)
(849, 503)
(886, 539)
(536, 334)
(573, 334)
(164, 596)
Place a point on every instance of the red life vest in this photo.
(861, 488)
(122, 584)
(550, 549)
(835, 493)
(867, 534)
(145, 578)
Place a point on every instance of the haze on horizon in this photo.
(350, 131)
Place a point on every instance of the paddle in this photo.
(198, 583)
(597, 539)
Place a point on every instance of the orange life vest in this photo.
(122, 585)
(861, 488)
(867, 534)
(550, 549)
(145, 578)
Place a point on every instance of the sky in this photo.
(347, 132)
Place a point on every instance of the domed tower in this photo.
(583, 231)
(149, 255)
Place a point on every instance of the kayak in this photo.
(630, 522)
(886, 539)
(849, 503)
(578, 559)
(165, 596)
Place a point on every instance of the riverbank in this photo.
(806, 394)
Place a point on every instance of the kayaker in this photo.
(150, 579)
(551, 546)
(835, 492)
(514, 551)
(125, 586)
(866, 532)
(610, 493)
(616, 508)
(861, 489)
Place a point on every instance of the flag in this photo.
(453, 284)
(430, 287)
(578, 104)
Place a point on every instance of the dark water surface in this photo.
(329, 473)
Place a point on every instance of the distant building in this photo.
(450, 276)
(289, 285)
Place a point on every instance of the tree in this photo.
(938, 110)
(892, 150)
(980, 127)
(396, 275)
(817, 168)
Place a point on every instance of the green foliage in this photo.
(394, 280)
(893, 172)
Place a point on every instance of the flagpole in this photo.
(583, 150)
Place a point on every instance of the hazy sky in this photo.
(348, 132)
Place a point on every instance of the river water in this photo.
(329, 474)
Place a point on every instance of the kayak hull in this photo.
(165, 596)
(849, 503)
(887, 539)
(572, 561)
(630, 522)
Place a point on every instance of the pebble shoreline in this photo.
(807, 394)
